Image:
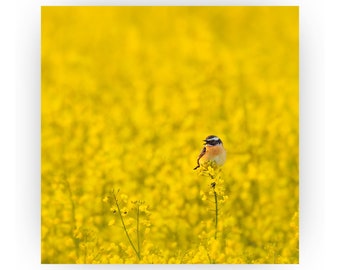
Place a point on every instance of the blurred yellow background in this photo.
(129, 93)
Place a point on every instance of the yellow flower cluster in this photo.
(128, 95)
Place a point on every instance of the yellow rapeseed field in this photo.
(128, 94)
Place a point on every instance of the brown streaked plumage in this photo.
(199, 157)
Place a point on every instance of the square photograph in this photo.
(170, 135)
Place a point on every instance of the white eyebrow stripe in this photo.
(213, 139)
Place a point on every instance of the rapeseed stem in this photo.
(216, 212)
(125, 229)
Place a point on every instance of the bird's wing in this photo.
(199, 157)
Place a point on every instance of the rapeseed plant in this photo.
(126, 94)
(127, 221)
(213, 171)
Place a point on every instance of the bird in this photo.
(213, 150)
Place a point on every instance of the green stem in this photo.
(210, 261)
(138, 240)
(122, 220)
(85, 251)
(73, 216)
(216, 213)
(216, 205)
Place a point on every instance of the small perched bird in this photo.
(213, 150)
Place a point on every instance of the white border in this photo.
(318, 195)
(332, 135)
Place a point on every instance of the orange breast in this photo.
(216, 153)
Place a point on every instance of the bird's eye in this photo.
(214, 142)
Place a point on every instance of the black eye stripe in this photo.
(213, 142)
